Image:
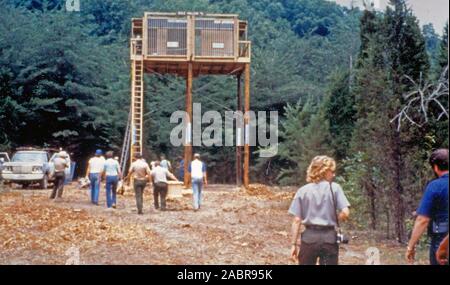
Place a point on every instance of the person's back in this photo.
(434, 205)
(319, 205)
(60, 164)
(140, 169)
(197, 169)
(159, 174)
(165, 164)
(316, 204)
(438, 202)
(96, 164)
(112, 167)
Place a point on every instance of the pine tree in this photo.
(340, 113)
(305, 134)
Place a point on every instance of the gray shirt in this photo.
(159, 174)
(314, 205)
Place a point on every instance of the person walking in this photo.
(60, 164)
(316, 206)
(113, 175)
(164, 163)
(432, 213)
(94, 171)
(197, 168)
(160, 186)
(141, 173)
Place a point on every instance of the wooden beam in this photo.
(238, 147)
(188, 142)
(247, 126)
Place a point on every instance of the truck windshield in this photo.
(30, 157)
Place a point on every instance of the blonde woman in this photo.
(317, 206)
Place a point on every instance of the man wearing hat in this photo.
(197, 168)
(60, 164)
(95, 168)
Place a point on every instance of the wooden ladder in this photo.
(137, 104)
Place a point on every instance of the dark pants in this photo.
(328, 253)
(139, 186)
(160, 191)
(58, 185)
(434, 246)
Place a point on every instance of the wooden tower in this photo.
(190, 45)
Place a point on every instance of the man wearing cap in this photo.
(60, 164)
(432, 213)
(94, 171)
(141, 175)
(197, 169)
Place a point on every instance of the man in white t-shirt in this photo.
(197, 169)
(94, 172)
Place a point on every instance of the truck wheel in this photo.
(43, 184)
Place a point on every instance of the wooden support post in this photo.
(238, 147)
(247, 125)
(188, 142)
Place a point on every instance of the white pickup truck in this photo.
(30, 166)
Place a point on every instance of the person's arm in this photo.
(296, 210)
(442, 252)
(130, 172)
(344, 214)
(295, 238)
(343, 205)
(205, 179)
(103, 173)
(88, 170)
(171, 176)
(205, 174)
(420, 226)
(152, 178)
(119, 172)
(149, 174)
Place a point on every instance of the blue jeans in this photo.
(111, 188)
(95, 186)
(197, 185)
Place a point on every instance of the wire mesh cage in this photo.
(167, 37)
(214, 38)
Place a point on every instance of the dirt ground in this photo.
(233, 227)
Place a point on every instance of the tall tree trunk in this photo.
(399, 206)
(373, 214)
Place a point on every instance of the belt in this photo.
(319, 228)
